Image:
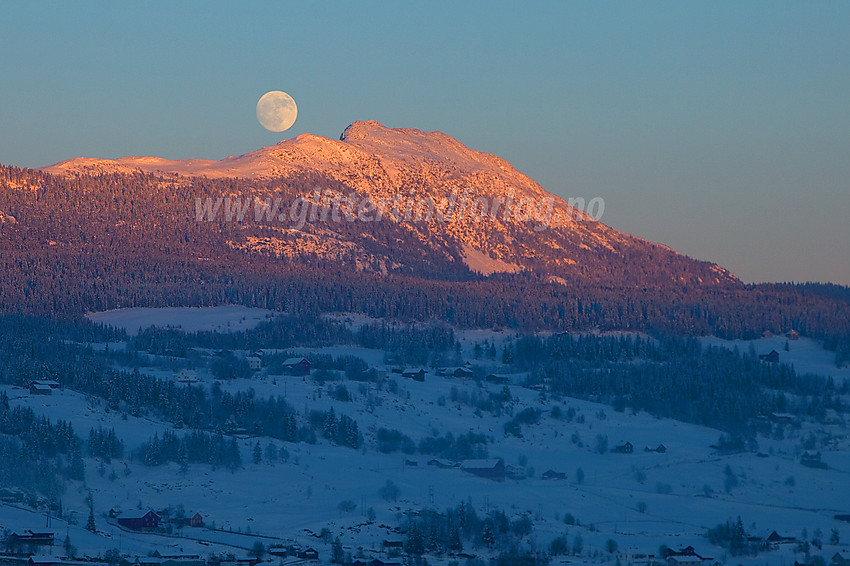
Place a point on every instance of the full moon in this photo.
(276, 111)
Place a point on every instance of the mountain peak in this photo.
(368, 154)
(383, 164)
(362, 129)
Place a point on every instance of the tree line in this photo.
(76, 247)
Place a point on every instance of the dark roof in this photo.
(488, 464)
(137, 514)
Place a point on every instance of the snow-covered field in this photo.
(230, 318)
(805, 354)
(642, 500)
(282, 500)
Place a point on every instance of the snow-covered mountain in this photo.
(494, 218)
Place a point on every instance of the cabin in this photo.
(30, 538)
(414, 374)
(771, 358)
(626, 448)
(686, 557)
(196, 520)
(496, 378)
(775, 538)
(308, 554)
(187, 376)
(139, 521)
(393, 544)
(812, 460)
(297, 366)
(48, 382)
(553, 475)
(463, 372)
(660, 449)
(783, 418)
(684, 560)
(493, 468)
(839, 560)
(793, 335)
(39, 389)
(442, 463)
(254, 363)
(767, 334)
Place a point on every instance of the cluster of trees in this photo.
(104, 444)
(561, 545)
(271, 455)
(36, 455)
(132, 392)
(342, 430)
(196, 447)
(432, 532)
(448, 446)
(673, 377)
(37, 433)
(529, 416)
(481, 399)
(391, 440)
(409, 344)
(732, 536)
(30, 472)
(229, 366)
(456, 448)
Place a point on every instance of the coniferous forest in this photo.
(92, 243)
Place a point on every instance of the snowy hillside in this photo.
(671, 488)
(524, 227)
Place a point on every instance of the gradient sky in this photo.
(721, 129)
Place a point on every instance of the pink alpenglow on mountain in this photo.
(382, 163)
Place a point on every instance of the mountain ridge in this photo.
(102, 239)
(384, 163)
(357, 135)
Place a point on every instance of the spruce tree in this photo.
(90, 526)
(329, 428)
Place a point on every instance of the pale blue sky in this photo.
(721, 129)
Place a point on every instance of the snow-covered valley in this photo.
(615, 484)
